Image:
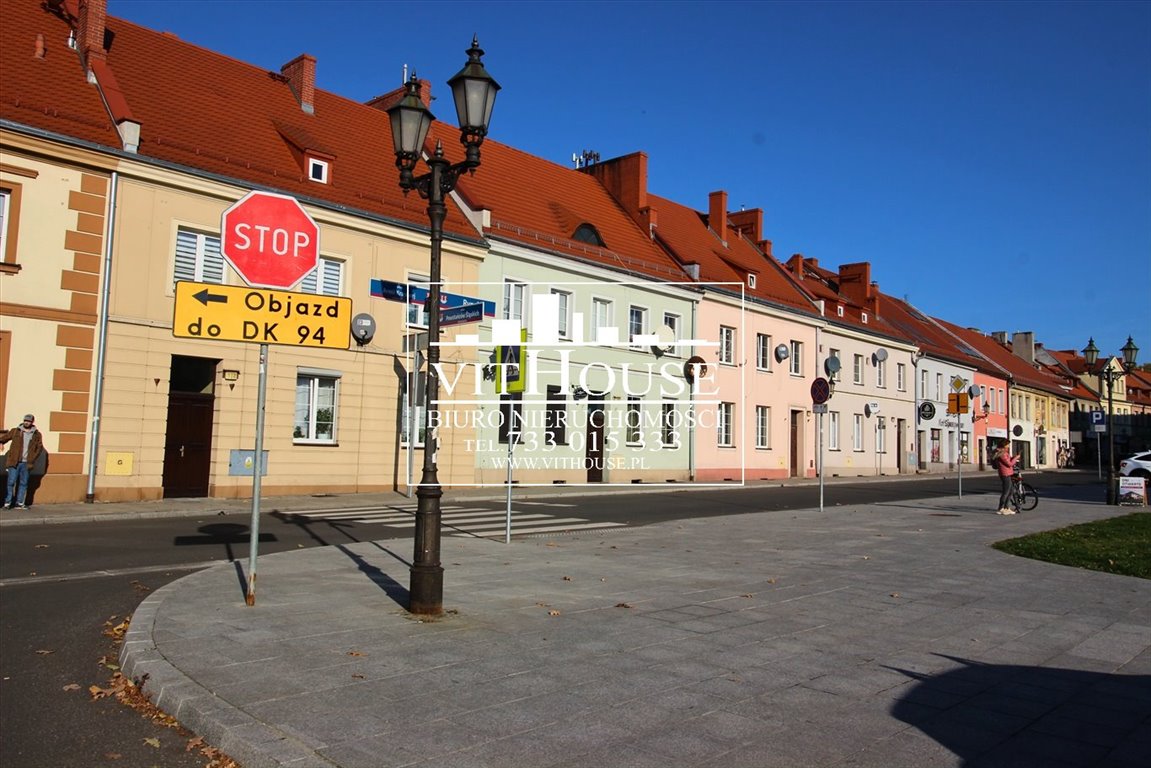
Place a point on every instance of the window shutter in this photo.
(185, 255)
(212, 270)
(333, 276)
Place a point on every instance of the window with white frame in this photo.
(762, 352)
(564, 298)
(750, 280)
(198, 257)
(5, 221)
(327, 279)
(669, 425)
(318, 170)
(416, 415)
(726, 344)
(601, 318)
(835, 376)
(983, 396)
(633, 422)
(923, 385)
(725, 418)
(939, 386)
(833, 430)
(795, 362)
(901, 377)
(417, 313)
(762, 426)
(857, 432)
(515, 298)
(316, 397)
(636, 322)
(857, 369)
(880, 437)
(674, 322)
(881, 374)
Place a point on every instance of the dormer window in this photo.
(586, 233)
(318, 170)
(839, 310)
(750, 280)
(863, 316)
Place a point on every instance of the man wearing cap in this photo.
(27, 445)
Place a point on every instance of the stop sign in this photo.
(270, 240)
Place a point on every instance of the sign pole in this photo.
(821, 461)
(258, 471)
(959, 448)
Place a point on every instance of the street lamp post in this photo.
(474, 92)
(1109, 375)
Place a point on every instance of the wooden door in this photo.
(594, 456)
(188, 445)
(793, 459)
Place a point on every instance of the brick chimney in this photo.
(749, 224)
(301, 75)
(91, 27)
(795, 266)
(717, 214)
(856, 285)
(625, 179)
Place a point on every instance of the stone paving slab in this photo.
(862, 635)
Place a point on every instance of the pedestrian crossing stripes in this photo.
(460, 521)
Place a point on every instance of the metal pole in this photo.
(413, 421)
(257, 476)
(821, 461)
(1110, 438)
(511, 452)
(959, 448)
(426, 594)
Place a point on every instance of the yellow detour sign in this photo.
(261, 316)
(957, 402)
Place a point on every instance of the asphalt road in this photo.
(60, 584)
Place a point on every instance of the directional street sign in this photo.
(468, 313)
(261, 315)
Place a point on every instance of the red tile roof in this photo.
(1023, 373)
(205, 111)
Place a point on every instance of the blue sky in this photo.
(992, 160)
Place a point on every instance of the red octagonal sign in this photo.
(270, 240)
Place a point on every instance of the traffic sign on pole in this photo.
(270, 240)
(820, 391)
(260, 315)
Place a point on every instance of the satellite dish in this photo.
(666, 336)
(973, 391)
(782, 352)
(832, 366)
(871, 408)
(363, 328)
(880, 355)
(694, 366)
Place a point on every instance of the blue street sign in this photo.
(417, 294)
(1098, 417)
(468, 313)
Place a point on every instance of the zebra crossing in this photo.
(460, 520)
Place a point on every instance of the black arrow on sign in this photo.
(204, 297)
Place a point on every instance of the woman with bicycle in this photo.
(1004, 464)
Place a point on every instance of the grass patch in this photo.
(1117, 545)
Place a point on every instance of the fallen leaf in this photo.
(895, 594)
(113, 755)
(355, 653)
(749, 595)
(551, 544)
(194, 743)
(623, 605)
(771, 581)
(71, 687)
(152, 742)
(553, 612)
(43, 652)
(41, 546)
(357, 677)
(567, 578)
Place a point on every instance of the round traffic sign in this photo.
(270, 240)
(820, 390)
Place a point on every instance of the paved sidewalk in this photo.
(871, 635)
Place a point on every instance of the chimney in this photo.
(301, 75)
(795, 266)
(999, 336)
(90, 31)
(717, 214)
(749, 224)
(625, 179)
(855, 283)
(1023, 345)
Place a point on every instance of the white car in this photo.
(1138, 465)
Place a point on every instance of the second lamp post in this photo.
(474, 92)
(1110, 375)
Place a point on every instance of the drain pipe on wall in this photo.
(102, 341)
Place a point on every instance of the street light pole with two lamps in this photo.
(1108, 374)
(474, 92)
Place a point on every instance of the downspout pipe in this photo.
(102, 341)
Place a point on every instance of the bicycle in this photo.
(1023, 496)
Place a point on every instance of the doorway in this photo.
(796, 430)
(900, 441)
(593, 458)
(188, 440)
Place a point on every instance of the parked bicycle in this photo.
(1023, 496)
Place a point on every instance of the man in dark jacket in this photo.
(27, 445)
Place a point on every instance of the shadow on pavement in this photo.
(1031, 715)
